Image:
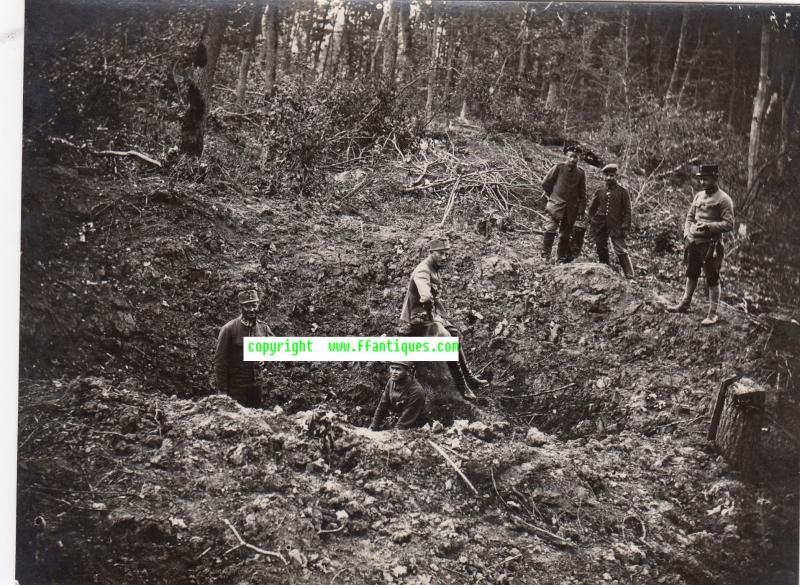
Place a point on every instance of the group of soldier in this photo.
(423, 313)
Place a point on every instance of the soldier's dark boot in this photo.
(547, 244)
(576, 243)
(473, 381)
(602, 253)
(627, 265)
(562, 252)
(458, 378)
(686, 301)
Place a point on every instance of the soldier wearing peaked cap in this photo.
(403, 396)
(610, 216)
(565, 187)
(234, 376)
(709, 216)
(424, 314)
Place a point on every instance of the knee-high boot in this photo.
(686, 301)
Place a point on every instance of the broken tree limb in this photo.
(84, 148)
(454, 466)
(253, 547)
(542, 533)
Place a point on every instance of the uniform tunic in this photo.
(716, 210)
(610, 207)
(405, 397)
(236, 377)
(565, 186)
(424, 286)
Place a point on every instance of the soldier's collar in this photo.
(247, 323)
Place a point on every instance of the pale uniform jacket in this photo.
(716, 210)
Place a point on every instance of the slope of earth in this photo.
(126, 487)
(129, 465)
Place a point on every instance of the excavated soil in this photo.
(589, 462)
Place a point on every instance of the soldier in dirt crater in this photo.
(402, 396)
(710, 215)
(424, 314)
(235, 377)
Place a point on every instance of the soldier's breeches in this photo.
(705, 257)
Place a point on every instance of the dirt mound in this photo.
(110, 483)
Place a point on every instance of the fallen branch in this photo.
(542, 533)
(450, 202)
(131, 153)
(454, 466)
(521, 396)
(253, 547)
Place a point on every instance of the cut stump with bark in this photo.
(445, 402)
(739, 433)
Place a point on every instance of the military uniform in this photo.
(709, 217)
(236, 377)
(610, 217)
(565, 186)
(423, 314)
(403, 397)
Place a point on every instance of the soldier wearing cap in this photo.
(709, 216)
(403, 396)
(610, 216)
(424, 314)
(565, 186)
(236, 377)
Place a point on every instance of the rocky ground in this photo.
(589, 462)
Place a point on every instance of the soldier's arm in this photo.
(422, 280)
(594, 203)
(382, 410)
(550, 180)
(582, 196)
(221, 360)
(726, 222)
(626, 210)
(413, 410)
(689, 220)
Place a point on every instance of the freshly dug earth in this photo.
(589, 459)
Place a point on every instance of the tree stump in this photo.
(445, 402)
(739, 433)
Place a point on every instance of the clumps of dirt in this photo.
(120, 483)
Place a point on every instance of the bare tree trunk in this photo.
(466, 64)
(734, 82)
(404, 64)
(552, 101)
(693, 61)
(759, 105)
(373, 65)
(269, 24)
(202, 82)
(452, 48)
(648, 51)
(626, 55)
(786, 105)
(249, 41)
(433, 47)
(389, 41)
(525, 43)
(318, 29)
(673, 80)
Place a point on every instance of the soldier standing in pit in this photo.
(709, 216)
(403, 396)
(565, 186)
(235, 377)
(424, 314)
(610, 216)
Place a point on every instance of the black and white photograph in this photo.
(412, 292)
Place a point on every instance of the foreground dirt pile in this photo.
(135, 488)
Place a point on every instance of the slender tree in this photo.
(759, 104)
